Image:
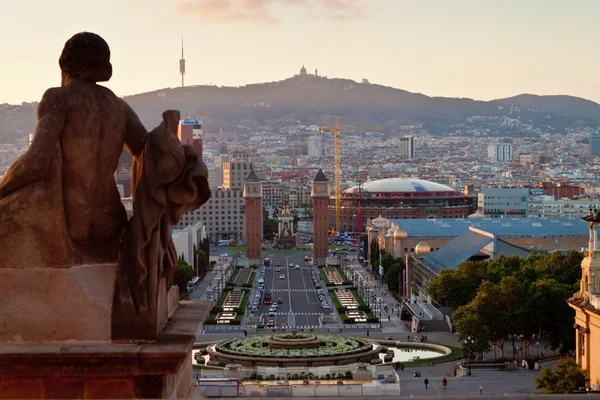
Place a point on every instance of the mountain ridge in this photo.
(313, 100)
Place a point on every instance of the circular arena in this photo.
(400, 198)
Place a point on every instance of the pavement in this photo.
(300, 308)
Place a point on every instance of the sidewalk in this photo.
(212, 279)
(393, 323)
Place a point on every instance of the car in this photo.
(267, 301)
(254, 307)
(278, 264)
(306, 258)
(270, 323)
(279, 301)
(277, 269)
(271, 313)
(318, 286)
(275, 306)
(282, 276)
(291, 265)
(297, 266)
(258, 326)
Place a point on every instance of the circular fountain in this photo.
(293, 349)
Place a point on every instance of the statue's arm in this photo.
(136, 132)
(35, 162)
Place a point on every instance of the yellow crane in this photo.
(337, 168)
(337, 129)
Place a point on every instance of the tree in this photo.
(202, 262)
(374, 252)
(566, 377)
(270, 225)
(393, 276)
(183, 275)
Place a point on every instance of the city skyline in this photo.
(462, 48)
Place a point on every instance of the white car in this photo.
(277, 269)
(282, 276)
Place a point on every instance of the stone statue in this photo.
(59, 204)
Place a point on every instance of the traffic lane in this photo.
(313, 303)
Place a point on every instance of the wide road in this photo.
(300, 306)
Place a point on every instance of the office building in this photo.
(500, 151)
(236, 170)
(190, 132)
(407, 148)
(315, 146)
(503, 202)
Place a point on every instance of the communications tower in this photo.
(182, 64)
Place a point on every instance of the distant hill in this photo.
(557, 104)
(317, 100)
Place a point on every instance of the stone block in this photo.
(45, 305)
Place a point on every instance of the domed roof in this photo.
(380, 222)
(400, 234)
(422, 248)
(401, 185)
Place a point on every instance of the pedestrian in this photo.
(367, 332)
(445, 383)
(245, 333)
(426, 382)
(480, 390)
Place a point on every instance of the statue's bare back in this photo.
(92, 140)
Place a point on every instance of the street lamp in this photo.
(469, 343)
(538, 348)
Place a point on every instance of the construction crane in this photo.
(336, 130)
(338, 170)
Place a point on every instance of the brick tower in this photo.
(253, 217)
(320, 195)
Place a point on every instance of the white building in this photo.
(186, 239)
(407, 148)
(315, 146)
(559, 208)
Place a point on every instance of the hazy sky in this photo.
(483, 49)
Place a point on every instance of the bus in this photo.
(267, 262)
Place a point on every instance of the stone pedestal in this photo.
(88, 370)
(56, 304)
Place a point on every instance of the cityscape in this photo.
(310, 235)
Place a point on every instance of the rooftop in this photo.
(519, 227)
(401, 185)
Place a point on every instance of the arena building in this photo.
(400, 198)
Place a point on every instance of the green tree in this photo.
(183, 275)
(202, 262)
(393, 276)
(374, 253)
(270, 225)
(563, 379)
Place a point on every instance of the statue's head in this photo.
(86, 56)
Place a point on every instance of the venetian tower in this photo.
(253, 217)
(320, 196)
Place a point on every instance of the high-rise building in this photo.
(190, 132)
(315, 146)
(236, 170)
(500, 151)
(253, 226)
(407, 148)
(320, 196)
(595, 145)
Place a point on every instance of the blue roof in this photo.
(458, 250)
(501, 227)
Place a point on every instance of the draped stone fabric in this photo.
(168, 180)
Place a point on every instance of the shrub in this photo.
(348, 375)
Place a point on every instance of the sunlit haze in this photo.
(483, 49)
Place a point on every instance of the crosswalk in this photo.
(298, 313)
(294, 290)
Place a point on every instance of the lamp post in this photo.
(513, 337)
(398, 310)
(380, 305)
(538, 348)
(469, 343)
